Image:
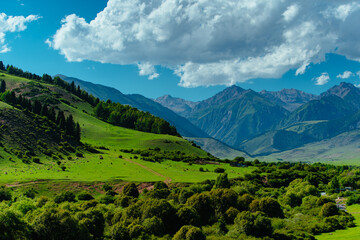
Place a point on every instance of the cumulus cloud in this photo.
(345, 75)
(12, 24)
(146, 69)
(212, 42)
(322, 79)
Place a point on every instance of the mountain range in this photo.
(241, 121)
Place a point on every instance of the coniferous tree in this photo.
(36, 107)
(70, 125)
(77, 132)
(47, 78)
(2, 86)
(2, 66)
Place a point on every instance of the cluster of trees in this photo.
(129, 117)
(242, 208)
(76, 90)
(157, 155)
(10, 69)
(67, 124)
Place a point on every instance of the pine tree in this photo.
(2, 86)
(2, 66)
(77, 132)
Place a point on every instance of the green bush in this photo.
(188, 216)
(219, 170)
(5, 194)
(222, 181)
(35, 159)
(84, 196)
(329, 209)
(119, 232)
(254, 224)
(131, 190)
(107, 199)
(65, 197)
(189, 233)
(154, 226)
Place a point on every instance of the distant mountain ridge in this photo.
(178, 105)
(183, 126)
(290, 99)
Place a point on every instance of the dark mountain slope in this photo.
(235, 114)
(300, 134)
(327, 108)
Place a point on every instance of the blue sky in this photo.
(203, 60)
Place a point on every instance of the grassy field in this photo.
(347, 234)
(107, 166)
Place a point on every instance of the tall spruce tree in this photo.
(2, 66)
(2, 86)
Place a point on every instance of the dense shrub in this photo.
(65, 197)
(269, 206)
(222, 181)
(85, 196)
(188, 216)
(254, 224)
(4, 194)
(154, 225)
(203, 205)
(219, 170)
(131, 190)
(189, 233)
(329, 209)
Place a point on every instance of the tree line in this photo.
(130, 117)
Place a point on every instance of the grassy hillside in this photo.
(108, 139)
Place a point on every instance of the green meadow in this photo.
(346, 234)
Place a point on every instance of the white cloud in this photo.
(322, 79)
(291, 12)
(212, 42)
(341, 12)
(345, 75)
(146, 69)
(12, 24)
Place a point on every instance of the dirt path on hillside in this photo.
(167, 179)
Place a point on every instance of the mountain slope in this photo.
(300, 134)
(217, 148)
(342, 149)
(327, 108)
(183, 126)
(235, 114)
(290, 99)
